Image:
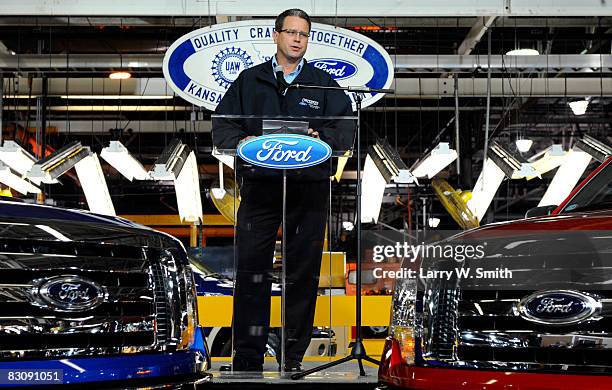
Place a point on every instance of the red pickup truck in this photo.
(548, 326)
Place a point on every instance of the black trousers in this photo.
(259, 218)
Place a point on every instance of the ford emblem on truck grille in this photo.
(68, 293)
(558, 307)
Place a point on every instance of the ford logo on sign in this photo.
(338, 69)
(558, 307)
(201, 65)
(284, 151)
(68, 293)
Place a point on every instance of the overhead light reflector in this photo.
(373, 189)
(171, 161)
(579, 107)
(546, 160)
(566, 178)
(16, 157)
(523, 145)
(94, 185)
(187, 187)
(523, 52)
(48, 169)
(595, 148)
(439, 158)
(120, 158)
(9, 179)
(389, 163)
(485, 189)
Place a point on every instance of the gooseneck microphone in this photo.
(281, 83)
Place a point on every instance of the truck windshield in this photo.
(596, 194)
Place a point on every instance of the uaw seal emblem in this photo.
(228, 64)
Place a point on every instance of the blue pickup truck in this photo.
(88, 299)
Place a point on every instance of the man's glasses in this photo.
(294, 33)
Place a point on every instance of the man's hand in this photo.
(245, 139)
(313, 133)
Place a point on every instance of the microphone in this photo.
(281, 83)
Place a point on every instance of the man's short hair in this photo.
(280, 19)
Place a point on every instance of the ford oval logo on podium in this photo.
(284, 151)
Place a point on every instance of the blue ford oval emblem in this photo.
(68, 293)
(558, 307)
(288, 151)
(338, 69)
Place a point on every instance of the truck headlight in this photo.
(190, 314)
(403, 317)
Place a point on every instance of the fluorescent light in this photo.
(120, 158)
(224, 158)
(120, 75)
(56, 164)
(439, 158)
(595, 148)
(433, 222)
(514, 167)
(486, 186)
(547, 160)
(171, 161)
(94, 185)
(348, 226)
(115, 97)
(8, 178)
(187, 187)
(373, 189)
(566, 178)
(16, 157)
(389, 163)
(523, 52)
(523, 145)
(579, 107)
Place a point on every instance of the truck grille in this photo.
(133, 316)
(483, 330)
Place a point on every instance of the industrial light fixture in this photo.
(433, 222)
(523, 52)
(523, 145)
(499, 164)
(224, 158)
(571, 170)
(566, 178)
(595, 148)
(187, 187)
(94, 185)
(389, 163)
(9, 179)
(48, 169)
(120, 158)
(16, 157)
(171, 161)
(579, 107)
(439, 158)
(348, 226)
(546, 160)
(373, 189)
(120, 75)
(487, 184)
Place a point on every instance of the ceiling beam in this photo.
(365, 8)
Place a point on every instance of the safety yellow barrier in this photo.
(330, 310)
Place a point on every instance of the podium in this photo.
(283, 176)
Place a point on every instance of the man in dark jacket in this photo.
(256, 92)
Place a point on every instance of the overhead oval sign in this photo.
(201, 65)
(288, 151)
(558, 307)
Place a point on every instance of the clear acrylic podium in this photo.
(285, 264)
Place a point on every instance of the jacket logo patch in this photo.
(313, 104)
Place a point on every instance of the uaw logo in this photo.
(284, 151)
(68, 293)
(338, 69)
(559, 307)
(228, 64)
(201, 65)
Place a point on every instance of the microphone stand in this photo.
(358, 351)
